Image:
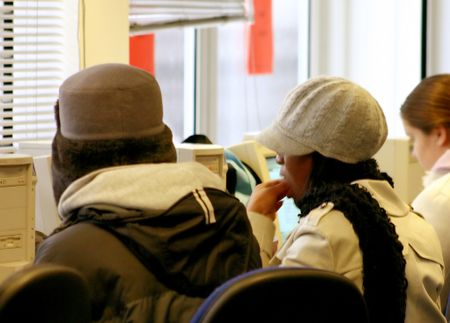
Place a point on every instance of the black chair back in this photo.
(285, 294)
(45, 293)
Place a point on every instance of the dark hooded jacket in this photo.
(153, 240)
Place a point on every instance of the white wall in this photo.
(71, 48)
(438, 55)
(375, 43)
(103, 32)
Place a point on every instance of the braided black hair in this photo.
(384, 278)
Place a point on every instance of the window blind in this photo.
(145, 16)
(32, 37)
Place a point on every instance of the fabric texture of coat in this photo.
(153, 240)
(434, 204)
(325, 239)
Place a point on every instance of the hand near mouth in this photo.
(267, 197)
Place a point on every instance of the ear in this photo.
(442, 136)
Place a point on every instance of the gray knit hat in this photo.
(108, 115)
(330, 115)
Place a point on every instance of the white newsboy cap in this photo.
(331, 115)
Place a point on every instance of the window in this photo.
(178, 73)
(169, 71)
(206, 84)
(37, 44)
(249, 103)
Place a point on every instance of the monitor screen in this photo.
(288, 213)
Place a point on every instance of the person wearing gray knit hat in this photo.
(151, 236)
(330, 115)
(351, 221)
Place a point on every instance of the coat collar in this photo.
(386, 197)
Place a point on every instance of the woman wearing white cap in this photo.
(426, 118)
(351, 220)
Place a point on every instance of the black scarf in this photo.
(384, 278)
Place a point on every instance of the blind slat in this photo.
(27, 41)
(10, 53)
(24, 24)
(26, 17)
(32, 123)
(27, 1)
(26, 105)
(30, 78)
(14, 61)
(19, 114)
(146, 16)
(28, 87)
(30, 95)
(30, 6)
(18, 132)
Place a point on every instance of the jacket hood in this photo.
(147, 188)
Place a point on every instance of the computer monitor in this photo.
(47, 218)
(211, 156)
(17, 235)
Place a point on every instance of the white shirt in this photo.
(434, 204)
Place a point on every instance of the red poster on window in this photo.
(260, 40)
(142, 52)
